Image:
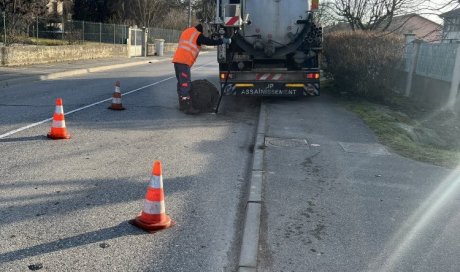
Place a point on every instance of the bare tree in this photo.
(326, 15)
(146, 11)
(119, 12)
(87, 10)
(175, 19)
(19, 14)
(67, 7)
(205, 9)
(368, 14)
(378, 14)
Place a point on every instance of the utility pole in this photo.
(189, 13)
(4, 28)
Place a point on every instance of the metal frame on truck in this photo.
(261, 67)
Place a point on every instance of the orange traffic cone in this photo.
(153, 217)
(58, 129)
(116, 98)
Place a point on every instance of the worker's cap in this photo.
(199, 27)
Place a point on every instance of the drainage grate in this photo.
(283, 142)
(372, 149)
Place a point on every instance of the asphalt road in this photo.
(64, 205)
(333, 199)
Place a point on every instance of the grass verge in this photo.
(386, 126)
(388, 123)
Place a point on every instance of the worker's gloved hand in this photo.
(227, 40)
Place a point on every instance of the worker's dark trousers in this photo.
(183, 79)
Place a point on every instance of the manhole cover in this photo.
(373, 149)
(283, 142)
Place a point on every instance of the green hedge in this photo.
(363, 63)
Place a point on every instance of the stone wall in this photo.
(25, 55)
(171, 48)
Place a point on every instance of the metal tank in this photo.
(273, 22)
(274, 49)
(265, 33)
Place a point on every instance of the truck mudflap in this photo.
(271, 89)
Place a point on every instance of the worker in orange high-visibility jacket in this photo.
(188, 48)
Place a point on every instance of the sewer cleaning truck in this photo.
(275, 47)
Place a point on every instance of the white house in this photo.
(59, 7)
(451, 30)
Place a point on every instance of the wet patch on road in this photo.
(313, 217)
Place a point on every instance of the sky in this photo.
(427, 8)
(430, 9)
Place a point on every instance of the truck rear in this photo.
(275, 47)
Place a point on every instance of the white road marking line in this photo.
(24, 128)
(91, 105)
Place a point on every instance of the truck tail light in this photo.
(313, 76)
(225, 75)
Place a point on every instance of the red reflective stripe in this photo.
(184, 75)
(262, 76)
(269, 76)
(155, 194)
(58, 117)
(59, 131)
(184, 84)
(153, 217)
(233, 20)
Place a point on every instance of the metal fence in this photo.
(433, 60)
(169, 35)
(82, 31)
(79, 31)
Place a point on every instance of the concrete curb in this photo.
(105, 68)
(75, 72)
(250, 242)
(96, 69)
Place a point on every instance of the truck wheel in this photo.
(204, 95)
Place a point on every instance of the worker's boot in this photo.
(181, 104)
(185, 104)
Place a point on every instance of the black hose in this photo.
(229, 63)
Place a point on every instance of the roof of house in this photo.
(410, 23)
(402, 19)
(453, 12)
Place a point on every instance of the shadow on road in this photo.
(123, 229)
(23, 139)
